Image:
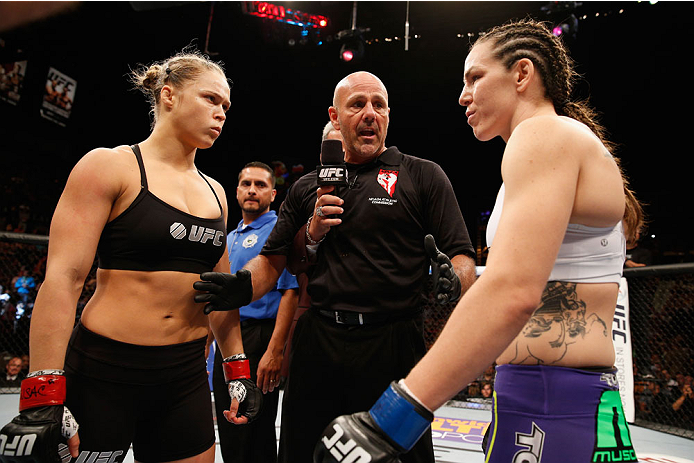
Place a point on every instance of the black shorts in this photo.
(156, 398)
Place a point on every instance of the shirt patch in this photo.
(384, 201)
(387, 179)
(250, 241)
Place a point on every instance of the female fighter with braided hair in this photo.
(543, 307)
(135, 368)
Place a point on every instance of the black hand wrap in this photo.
(237, 374)
(224, 291)
(38, 433)
(447, 286)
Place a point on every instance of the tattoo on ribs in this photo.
(560, 320)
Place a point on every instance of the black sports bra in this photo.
(151, 235)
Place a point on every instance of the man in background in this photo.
(265, 323)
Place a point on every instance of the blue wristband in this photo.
(401, 418)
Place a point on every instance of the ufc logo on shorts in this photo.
(329, 173)
(98, 457)
(20, 446)
(345, 452)
(534, 442)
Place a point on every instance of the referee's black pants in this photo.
(340, 369)
(255, 442)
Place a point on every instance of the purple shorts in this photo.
(556, 414)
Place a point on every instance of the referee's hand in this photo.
(447, 286)
(223, 291)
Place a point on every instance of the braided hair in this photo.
(535, 41)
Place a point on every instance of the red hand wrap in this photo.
(236, 369)
(39, 391)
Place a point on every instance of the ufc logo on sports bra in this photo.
(345, 452)
(197, 234)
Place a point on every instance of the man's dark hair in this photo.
(260, 165)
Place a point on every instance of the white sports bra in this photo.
(587, 254)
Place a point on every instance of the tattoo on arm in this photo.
(561, 320)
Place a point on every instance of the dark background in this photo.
(634, 64)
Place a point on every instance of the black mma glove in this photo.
(224, 291)
(392, 426)
(40, 432)
(447, 286)
(237, 375)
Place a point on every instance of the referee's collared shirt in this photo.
(375, 260)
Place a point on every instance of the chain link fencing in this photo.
(661, 300)
(22, 270)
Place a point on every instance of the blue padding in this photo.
(398, 419)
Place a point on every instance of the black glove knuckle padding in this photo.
(367, 441)
(252, 405)
(33, 436)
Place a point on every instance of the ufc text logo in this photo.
(332, 173)
(533, 442)
(98, 457)
(19, 446)
(197, 234)
(345, 452)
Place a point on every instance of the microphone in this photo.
(332, 171)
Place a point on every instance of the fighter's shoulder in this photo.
(553, 132)
(106, 163)
(117, 155)
(546, 145)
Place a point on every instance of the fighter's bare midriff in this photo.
(165, 312)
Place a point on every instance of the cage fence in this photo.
(661, 300)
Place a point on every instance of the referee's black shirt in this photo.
(374, 261)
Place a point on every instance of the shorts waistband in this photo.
(546, 389)
(92, 354)
(348, 317)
